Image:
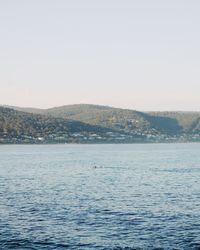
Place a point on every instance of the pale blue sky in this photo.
(140, 54)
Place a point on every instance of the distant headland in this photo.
(87, 123)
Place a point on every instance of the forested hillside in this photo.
(107, 124)
(20, 126)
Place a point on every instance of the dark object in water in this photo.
(97, 166)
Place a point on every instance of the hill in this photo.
(24, 109)
(20, 127)
(188, 121)
(115, 124)
(129, 121)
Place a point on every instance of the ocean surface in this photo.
(139, 196)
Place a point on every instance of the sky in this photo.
(136, 54)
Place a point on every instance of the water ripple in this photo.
(146, 198)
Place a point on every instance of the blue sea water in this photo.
(139, 196)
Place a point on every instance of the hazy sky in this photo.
(140, 54)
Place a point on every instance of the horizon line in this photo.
(100, 105)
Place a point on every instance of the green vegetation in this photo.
(92, 123)
(127, 120)
(186, 120)
(17, 126)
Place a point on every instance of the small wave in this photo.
(31, 245)
(179, 170)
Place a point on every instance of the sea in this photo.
(112, 196)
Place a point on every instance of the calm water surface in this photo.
(137, 196)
